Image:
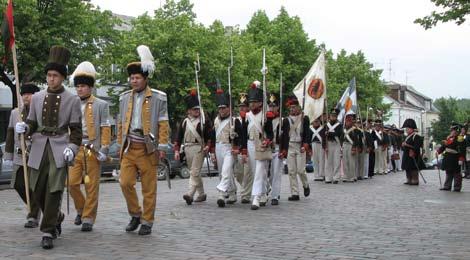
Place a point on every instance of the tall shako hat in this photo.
(255, 94)
(192, 100)
(85, 73)
(221, 98)
(273, 99)
(59, 57)
(243, 99)
(146, 65)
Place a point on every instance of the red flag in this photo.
(7, 28)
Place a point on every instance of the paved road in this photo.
(374, 219)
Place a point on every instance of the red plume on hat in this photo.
(219, 91)
(193, 92)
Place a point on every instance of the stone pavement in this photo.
(374, 219)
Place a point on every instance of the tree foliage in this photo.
(175, 38)
(453, 10)
(75, 24)
(451, 110)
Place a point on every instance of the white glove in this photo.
(68, 155)
(101, 157)
(460, 163)
(21, 127)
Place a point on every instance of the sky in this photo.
(435, 62)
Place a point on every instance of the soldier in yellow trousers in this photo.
(143, 135)
(96, 130)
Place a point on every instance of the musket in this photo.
(280, 104)
(230, 91)
(197, 68)
(264, 71)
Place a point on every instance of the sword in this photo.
(416, 165)
(68, 187)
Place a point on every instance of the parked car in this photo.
(168, 164)
(5, 170)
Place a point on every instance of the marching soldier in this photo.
(243, 173)
(370, 141)
(143, 132)
(296, 127)
(360, 151)
(278, 152)
(412, 161)
(257, 147)
(350, 141)
(379, 148)
(333, 148)
(54, 123)
(318, 141)
(96, 130)
(227, 146)
(13, 154)
(196, 146)
(453, 149)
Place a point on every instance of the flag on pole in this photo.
(315, 93)
(8, 36)
(348, 102)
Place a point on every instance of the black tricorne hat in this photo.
(59, 57)
(334, 111)
(409, 123)
(222, 98)
(29, 88)
(192, 100)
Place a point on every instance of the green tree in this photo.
(453, 10)
(75, 24)
(448, 113)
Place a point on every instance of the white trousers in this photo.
(260, 172)
(223, 153)
(333, 161)
(318, 158)
(276, 175)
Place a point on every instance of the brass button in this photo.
(58, 96)
(57, 103)
(45, 102)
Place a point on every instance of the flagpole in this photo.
(22, 141)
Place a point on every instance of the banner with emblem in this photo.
(315, 93)
(348, 102)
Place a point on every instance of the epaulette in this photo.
(161, 95)
(124, 93)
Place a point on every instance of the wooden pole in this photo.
(22, 139)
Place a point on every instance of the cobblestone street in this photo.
(379, 218)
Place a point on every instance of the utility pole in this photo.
(390, 70)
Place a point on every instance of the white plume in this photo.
(146, 59)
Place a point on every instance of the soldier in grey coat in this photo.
(54, 123)
(13, 154)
